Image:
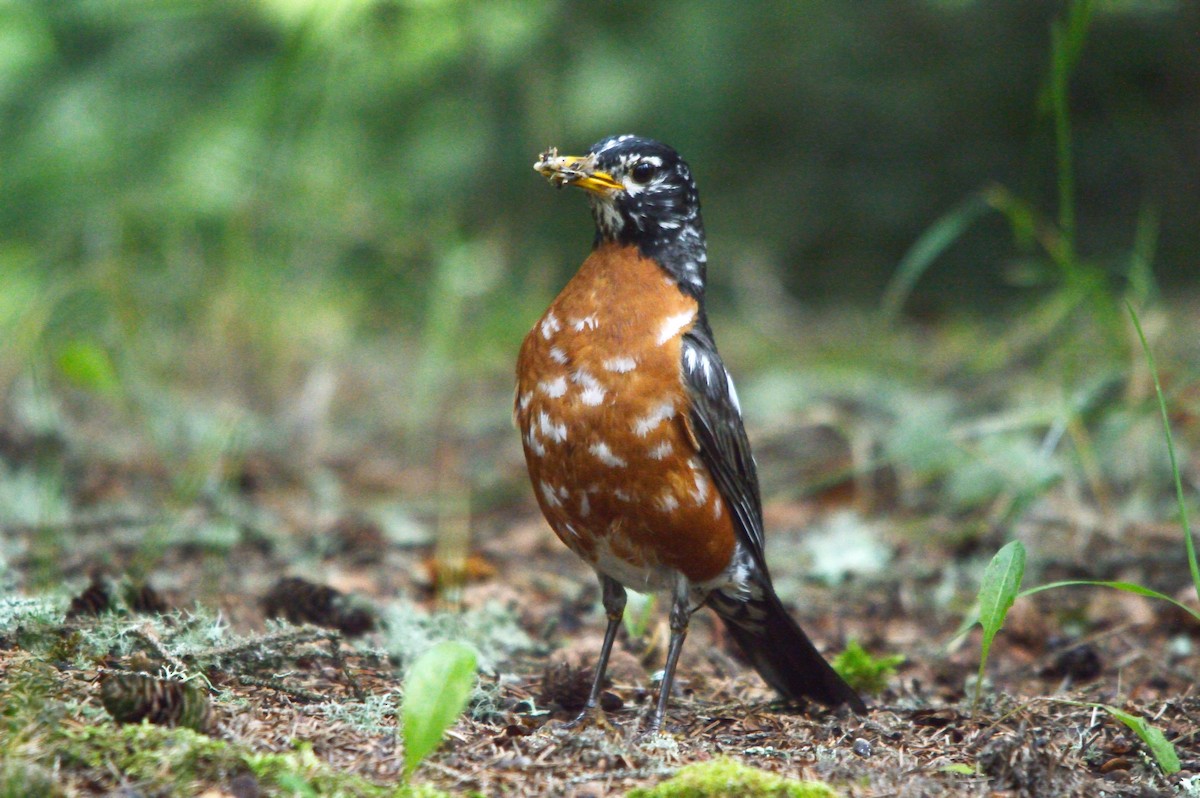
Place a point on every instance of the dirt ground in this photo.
(532, 609)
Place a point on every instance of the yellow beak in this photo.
(576, 170)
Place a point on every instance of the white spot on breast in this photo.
(556, 432)
(587, 322)
(667, 502)
(700, 492)
(554, 388)
(583, 377)
(526, 398)
(662, 450)
(605, 455)
(673, 325)
(585, 506)
(550, 325)
(592, 396)
(592, 393)
(534, 444)
(549, 495)
(642, 426)
(622, 495)
(557, 355)
(718, 508)
(620, 365)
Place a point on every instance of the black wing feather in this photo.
(778, 648)
(724, 447)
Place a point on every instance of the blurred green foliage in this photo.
(169, 147)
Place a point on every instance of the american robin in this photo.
(632, 430)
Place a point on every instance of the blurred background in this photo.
(285, 206)
(360, 151)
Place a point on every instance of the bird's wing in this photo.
(716, 422)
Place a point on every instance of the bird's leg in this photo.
(681, 613)
(614, 608)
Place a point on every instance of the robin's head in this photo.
(642, 194)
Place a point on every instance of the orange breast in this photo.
(602, 411)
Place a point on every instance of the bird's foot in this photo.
(590, 716)
(655, 736)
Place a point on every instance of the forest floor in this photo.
(152, 537)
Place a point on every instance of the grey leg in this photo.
(614, 608)
(681, 613)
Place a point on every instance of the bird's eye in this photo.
(644, 172)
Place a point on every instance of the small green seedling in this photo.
(863, 672)
(435, 694)
(1000, 587)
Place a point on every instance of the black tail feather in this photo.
(780, 650)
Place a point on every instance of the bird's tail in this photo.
(780, 651)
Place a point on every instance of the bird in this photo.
(632, 429)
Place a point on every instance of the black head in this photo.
(642, 194)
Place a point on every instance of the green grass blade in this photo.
(1162, 749)
(999, 589)
(928, 248)
(1142, 287)
(1128, 587)
(1188, 541)
(1067, 40)
(435, 693)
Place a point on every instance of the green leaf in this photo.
(435, 693)
(1162, 749)
(1128, 587)
(1001, 583)
(88, 366)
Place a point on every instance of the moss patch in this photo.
(728, 778)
